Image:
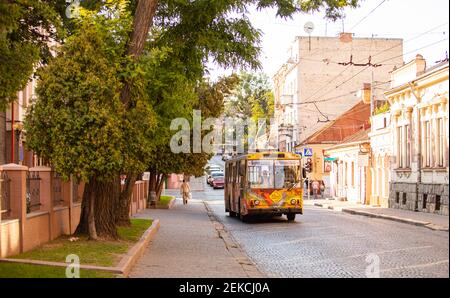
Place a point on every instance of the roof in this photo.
(357, 138)
(349, 123)
(360, 136)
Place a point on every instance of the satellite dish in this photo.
(309, 27)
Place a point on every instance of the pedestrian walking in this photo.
(185, 192)
(322, 189)
(316, 188)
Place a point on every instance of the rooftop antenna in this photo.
(309, 28)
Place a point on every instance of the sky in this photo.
(407, 19)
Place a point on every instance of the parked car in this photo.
(213, 175)
(218, 182)
(212, 168)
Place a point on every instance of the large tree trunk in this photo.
(124, 202)
(106, 195)
(143, 21)
(159, 186)
(99, 214)
(156, 184)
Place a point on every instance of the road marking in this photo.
(317, 237)
(416, 266)
(361, 255)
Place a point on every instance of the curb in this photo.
(397, 219)
(123, 268)
(233, 247)
(133, 255)
(165, 207)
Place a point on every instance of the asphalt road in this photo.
(325, 243)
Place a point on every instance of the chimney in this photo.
(346, 37)
(421, 65)
(366, 93)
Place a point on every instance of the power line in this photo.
(373, 10)
(364, 69)
(374, 55)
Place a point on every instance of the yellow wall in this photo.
(318, 160)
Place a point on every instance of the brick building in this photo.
(313, 87)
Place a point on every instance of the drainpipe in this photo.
(418, 136)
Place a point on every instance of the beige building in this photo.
(322, 77)
(346, 125)
(350, 175)
(12, 138)
(381, 155)
(419, 107)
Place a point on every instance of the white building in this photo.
(321, 78)
(381, 143)
(350, 175)
(419, 107)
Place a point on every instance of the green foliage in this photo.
(382, 109)
(99, 253)
(26, 26)
(79, 123)
(251, 98)
(14, 270)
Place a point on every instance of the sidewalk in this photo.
(428, 220)
(187, 246)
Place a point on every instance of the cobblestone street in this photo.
(325, 243)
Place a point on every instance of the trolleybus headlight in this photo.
(293, 202)
(257, 203)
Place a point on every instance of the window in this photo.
(260, 173)
(269, 174)
(441, 146)
(407, 144)
(353, 174)
(424, 201)
(399, 147)
(287, 174)
(437, 206)
(427, 152)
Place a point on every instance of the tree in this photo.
(103, 116)
(80, 124)
(251, 98)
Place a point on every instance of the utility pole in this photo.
(372, 95)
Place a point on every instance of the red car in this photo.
(218, 182)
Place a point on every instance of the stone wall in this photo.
(434, 197)
(430, 198)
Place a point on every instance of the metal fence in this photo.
(5, 194)
(57, 193)
(33, 192)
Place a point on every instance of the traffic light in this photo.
(309, 166)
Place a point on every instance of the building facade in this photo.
(419, 106)
(381, 143)
(12, 136)
(349, 123)
(350, 175)
(322, 77)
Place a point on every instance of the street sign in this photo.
(330, 158)
(307, 152)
